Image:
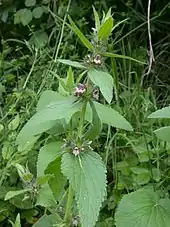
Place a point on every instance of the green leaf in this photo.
(162, 113)
(12, 194)
(43, 179)
(72, 63)
(87, 176)
(57, 182)
(109, 116)
(17, 222)
(46, 221)
(43, 119)
(39, 39)
(96, 127)
(48, 153)
(106, 29)
(104, 81)
(163, 133)
(70, 80)
(83, 39)
(143, 208)
(97, 20)
(29, 3)
(23, 16)
(13, 125)
(45, 197)
(112, 55)
(37, 12)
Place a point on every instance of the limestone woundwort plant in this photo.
(75, 116)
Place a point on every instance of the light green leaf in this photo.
(46, 221)
(97, 20)
(96, 126)
(39, 39)
(162, 113)
(29, 3)
(83, 39)
(17, 222)
(72, 63)
(43, 119)
(143, 208)
(112, 55)
(37, 12)
(104, 81)
(106, 29)
(13, 125)
(87, 176)
(109, 116)
(12, 194)
(57, 182)
(48, 153)
(43, 179)
(45, 197)
(163, 133)
(70, 80)
(23, 16)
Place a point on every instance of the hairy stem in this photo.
(68, 206)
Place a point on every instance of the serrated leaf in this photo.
(162, 113)
(57, 182)
(96, 126)
(87, 176)
(12, 194)
(143, 208)
(104, 81)
(163, 133)
(44, 119)
(45, 197)
(29, 3)
(106, 29)
(109, 116)
(37, 12)
(72, 63)
(48, 153)
(46, 221)
(83, 39)
(112, 55)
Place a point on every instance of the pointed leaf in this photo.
(143, 208)
(109, 116)
(163, 133)
(104, 81)
(83, 39)
(12, 194)
(112, 55)
(48, 153)
(162, 113)
(72, 63)
(96, 127)
(46, 221)
(106, 29)
(87, 176)
(57, 182)
(43, 120)
(97, 20)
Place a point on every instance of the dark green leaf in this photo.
(29, 3)
(37, 12)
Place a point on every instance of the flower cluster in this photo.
(80, 90)
(97, 59)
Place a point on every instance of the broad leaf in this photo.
(72, 63)
(48, 153)
(57, 182)
(23, 16)
(39, 39)
(96, 126)
(12, 194)
(163, 133)
(42, 120)
(109, 116)
(45, 197)
(143, 208)
(87, 176)
(104, 81)
(37, 12)
(162, 113)
(112, 55)
(83, 39)
(30, 2)
(46, 221)
(106, 29)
